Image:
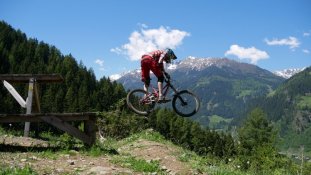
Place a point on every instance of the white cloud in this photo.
(142, 25)
(306, 51)
(252, 54)
(292, 42)
(306, 34)
(150, 39)
(100, 63)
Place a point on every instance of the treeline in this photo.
(80, 91)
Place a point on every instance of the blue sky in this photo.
(110, 35)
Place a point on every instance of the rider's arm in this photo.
(161, 59)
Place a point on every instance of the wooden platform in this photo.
(24, 78)
(33, 110)
(59, 120)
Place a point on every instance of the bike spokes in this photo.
(140, 101)
(186, 103)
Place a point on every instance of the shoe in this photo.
(163, 99)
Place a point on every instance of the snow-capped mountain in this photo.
(287, 73)
(190, 63)
(134, 73)
(199, 64)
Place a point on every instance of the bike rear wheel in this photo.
(185, 103)
(140, 101)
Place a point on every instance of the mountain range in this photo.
(201, 63)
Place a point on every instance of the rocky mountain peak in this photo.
(287, 73)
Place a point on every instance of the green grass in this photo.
(108, 147)
(17, 171)
(305, 102)
(215, 120)
(136, 164)
(244, 93)
(147, 134)
(271, 93)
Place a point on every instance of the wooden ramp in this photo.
(60, 121)
(33, 110)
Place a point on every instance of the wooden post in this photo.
(60, 124)
(37, 108)
(29, 105)
(90, 128)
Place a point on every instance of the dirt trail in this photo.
(154, 151)
(77, 163)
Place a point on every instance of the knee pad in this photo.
(160, 79)
(146, 81)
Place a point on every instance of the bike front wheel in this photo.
(186, 103)
(140, 101)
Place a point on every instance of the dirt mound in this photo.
(74, 162)
(154, 151)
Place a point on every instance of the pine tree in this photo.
(256, 131)
(257, 139)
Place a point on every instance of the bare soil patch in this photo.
(75, 162)
(154, 151)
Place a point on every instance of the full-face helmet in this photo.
(170, 55)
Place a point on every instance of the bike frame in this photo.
(143, 102)
(165, 88)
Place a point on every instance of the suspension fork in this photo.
(173, 88)
(176, 92)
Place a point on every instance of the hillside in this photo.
(290, 107)
(224, 86)
(146, 152)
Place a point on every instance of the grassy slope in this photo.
(123, 154)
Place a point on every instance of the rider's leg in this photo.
(159, 74)
(145, 73)
(146, 84)
(160, 86)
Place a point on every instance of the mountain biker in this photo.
(154, 61)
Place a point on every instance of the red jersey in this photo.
(157, 55)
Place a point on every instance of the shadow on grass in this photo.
(19, 148)
(91, 150)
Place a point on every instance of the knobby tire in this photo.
(185, 103)
(139, 103)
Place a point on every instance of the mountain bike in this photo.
(184, 102)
